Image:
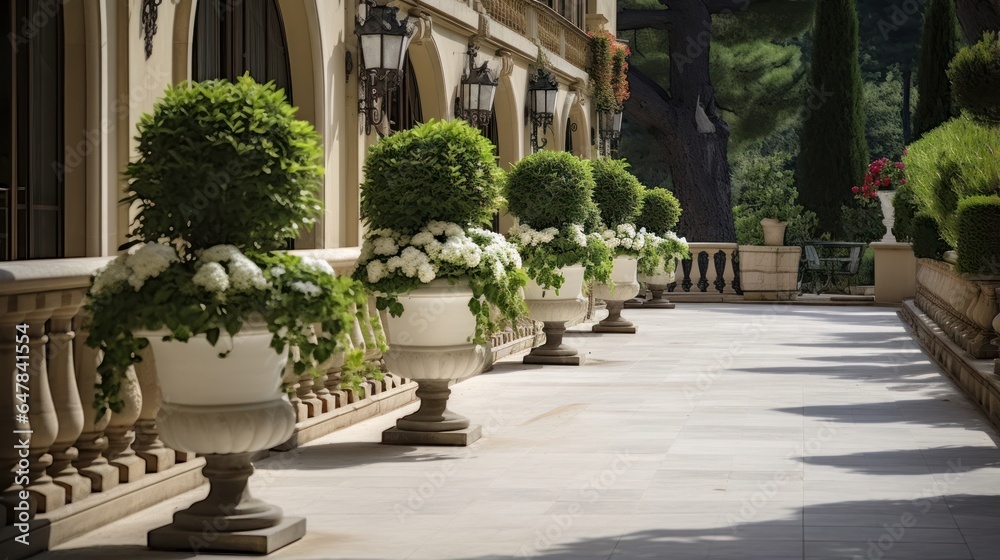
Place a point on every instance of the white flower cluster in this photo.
(148, 261)
(386, 252)
(625, 238)
(525, 236)
(239, 273)
(307, 288)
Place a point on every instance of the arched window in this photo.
(31, 131)
(404, 103)
(232, 37)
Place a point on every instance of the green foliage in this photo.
(550, 189)
(767, 190)
(975, 77)
(936, 52)
(660, 211)
(955, 161)
(866, 268)
(175, 298)
(439, 170)
(224, 163)
(884, 126)
(927, 242)
(905, 209)
(862, 221)
(979, 235)
(617, 193)
(544, 252)
(660, 254)
(834, 151)
(601, 68)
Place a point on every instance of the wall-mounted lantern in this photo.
(476, 92)
(610, 127)
(383, 40)
(542, 91)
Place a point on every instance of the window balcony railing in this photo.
(556, 24)
(84, 472)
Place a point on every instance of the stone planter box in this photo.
(769, 273)
(963, 306)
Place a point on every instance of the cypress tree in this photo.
(936, 51)
(834, 152)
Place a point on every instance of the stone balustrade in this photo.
(963, 306)
(711, 274)
(82, 471)
(540, 23)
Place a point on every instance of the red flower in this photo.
(855, 190)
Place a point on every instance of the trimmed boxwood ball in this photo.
(979, 235)
(550, 189)
(439, 170)
(927, 242)
(617, 192)
(660, 211)
(975, 79)
(225, 163)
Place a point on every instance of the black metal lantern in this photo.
(476, 92)
(610, 127)
(383, 40)
(542, 91)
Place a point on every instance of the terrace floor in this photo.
(719, 431)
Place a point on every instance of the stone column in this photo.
(147, 444)
(130, 466)
(92, 443)
(62, 379)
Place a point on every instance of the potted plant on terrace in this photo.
(225, 175)
(618, 195)
(444, 283)
(660, 213)
(550, 195)
(881, 181)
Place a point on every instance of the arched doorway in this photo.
(405, 110)
(233, 37)
(32, 131)
(569, 135)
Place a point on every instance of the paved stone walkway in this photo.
(719, 431)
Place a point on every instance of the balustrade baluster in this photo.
(9, 442)
(92, 442)
(42, 413)
(70, 412)
(703, 271)
(120, 432)
(148, 445)
(720, 259)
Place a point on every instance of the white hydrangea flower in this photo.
(376, 271)
(148, 262)
(111, 277)
(422, 238)
(385, 246)
(277, 271)
(578, 236)
(220, 253)
(436, 228)
(317, 265)
(245, 275)
(426, 273)
(307, 288)
(212, 276)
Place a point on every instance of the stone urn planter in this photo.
(626, 286)
(556, 311)
(429, 343)
(888, 214)
(657, 284)
(774, 232)
(226, 409)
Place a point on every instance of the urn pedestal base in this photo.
(229, 519)
(554, 352)
(657, 301)
(614, 323)
(433, 368)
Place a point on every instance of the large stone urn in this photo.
(226, 409)
(888, 214)
(430, 343)
(626, 285)
(774, 232)
(557, 310)
(656, 284)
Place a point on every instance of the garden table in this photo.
(823, 263)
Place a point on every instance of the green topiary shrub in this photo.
(862, 222)
(975, 79)
(617, 193)
(904, 209)
(927, 242)
(660, 211)
(866, 268)
(979, 235)
(767, 190)
(955, 161)
(225, 163)
(550, 189)
(437, 171)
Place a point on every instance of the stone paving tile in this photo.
(826, 432)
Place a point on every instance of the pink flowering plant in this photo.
(883, 174)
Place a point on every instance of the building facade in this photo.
(83, 72)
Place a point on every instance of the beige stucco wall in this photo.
(119, 84)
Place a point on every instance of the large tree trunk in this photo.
(698, 160)
(977, 17)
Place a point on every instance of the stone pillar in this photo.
(92, 443)
(895, 272)
(62, 380)
(130, 466)
(148, 445)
